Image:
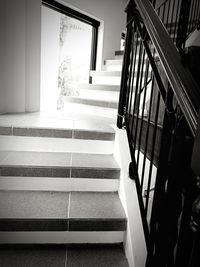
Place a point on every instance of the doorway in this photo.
(68, 53)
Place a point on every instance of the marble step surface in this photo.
(94, 102)
(57, 164)
(99, 87)
(60, 211)
(110, 255)
(55, 126)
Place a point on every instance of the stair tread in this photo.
(92, 98)
(88, 211)
(94, 102)
(113, 62)
(60, 255)
(106, 73)
(98, 128)
(57, 159)
(102, 87)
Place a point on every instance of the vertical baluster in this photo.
(176, 20)
(132, 88)
(136, 88)
(191, 15)
(147, 133)
(167, 20)
(123, 85)
(172, 18)
(146, 82)
(140, 74)
(195, 15)
(130, 77)
(152, 152)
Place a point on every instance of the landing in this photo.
(75, 116)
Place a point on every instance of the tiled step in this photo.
(61, 165)
(95, 145)
(113, 65)
(106, 77)
(79, 129)
(61, 211)
(63, 256)
(99, 87)
(105, 73)
(93, 102)
(119, 53)
(109, 62)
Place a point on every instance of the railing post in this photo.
(183, 24)
(125, 68)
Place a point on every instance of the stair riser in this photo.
(104, 104)
(59, 172)
(113, 67)
(62, 237)
(56, 133)
(58, 184)
(18, 143)
(106, 80)
(93, 87)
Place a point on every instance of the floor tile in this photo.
(5, 130)
(37, 159)
(36, 256)
(93, 160)
(99, 126)
(35, 171)
(42, 132)
(3, 155)
(33, 204)
(100, 173)
(96, 257)
(95, 205)
(92, 135)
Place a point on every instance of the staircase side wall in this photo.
(134, 242)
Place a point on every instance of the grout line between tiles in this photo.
(68, 213)
(73, 129)
(66, 257)
(70, 166)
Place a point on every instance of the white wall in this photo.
(21, 59)
(49, 59)
(134, 242)
(2, 46)
(111, 12)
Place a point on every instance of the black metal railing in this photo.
(158, 106)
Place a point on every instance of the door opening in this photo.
(68, 53)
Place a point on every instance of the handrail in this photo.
(179, 76)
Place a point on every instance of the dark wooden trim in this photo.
(81, 17)
(70, 12)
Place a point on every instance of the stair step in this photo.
(105, 73)
(99, 87)
(41, 144)
(113, 65)
(58, 184)
(119, 53)
(61, 211)
(67, 129)
(94, 102)
(63, 165)
(109, 62)
(62, 255)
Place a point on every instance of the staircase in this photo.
(59, 179)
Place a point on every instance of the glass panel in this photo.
(65, 58)
(74, 58)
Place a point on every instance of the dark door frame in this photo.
(82, 17)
